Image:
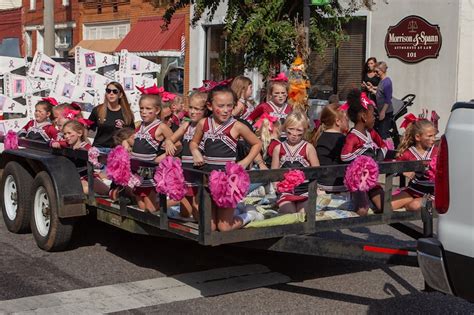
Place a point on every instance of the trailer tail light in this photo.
(442, 178)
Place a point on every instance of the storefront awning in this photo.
(106, 46)
(146, 38)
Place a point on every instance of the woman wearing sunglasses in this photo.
(112, 115)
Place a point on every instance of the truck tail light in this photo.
(442, 178)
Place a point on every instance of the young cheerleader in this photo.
(243, 88)
(363, 140)
(417, 145)
(185, 133)
(40, 128)
(276, 106)
(147, 145)
(75, 134)
(329, 140)
(219, 134)
(294, 152)
(269, 133)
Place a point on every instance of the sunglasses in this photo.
(108, 91)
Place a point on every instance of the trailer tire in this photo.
(15, 197)
(50, 232)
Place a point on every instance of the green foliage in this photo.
(265, 31)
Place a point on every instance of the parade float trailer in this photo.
(41, 190)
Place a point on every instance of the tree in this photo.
(268, 32)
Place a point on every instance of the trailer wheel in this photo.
(16, 197)
(51, 233)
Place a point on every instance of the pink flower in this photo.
(118, 166)
(230, 187)
(169, 178)
(362, 174)
(11, 140)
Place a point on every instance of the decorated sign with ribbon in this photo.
(14, 85)
(8, 64)
(68, 92)
(8, 105)
(133, 64)
(43, 66)
(92, 60)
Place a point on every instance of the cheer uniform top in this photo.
(218, 145)
(191, 178)
(44, 131)
(294, 157)
(269, 154)
(275, 111)
(147, 148)
(368, 144)
(248, 108)
(420, 185)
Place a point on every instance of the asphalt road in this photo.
(102, 255)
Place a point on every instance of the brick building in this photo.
(10, 28)
(102, 25)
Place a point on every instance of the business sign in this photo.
(413, 39)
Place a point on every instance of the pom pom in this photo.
(362, 174)
(291, 180)
(93, 156)
(134, 181)
(118, 166)
(431, 172)
(169, 178)
(230, 187)
(11, 140)
(389, 144)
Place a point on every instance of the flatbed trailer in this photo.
(41, 191)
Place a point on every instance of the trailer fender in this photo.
(63, 173)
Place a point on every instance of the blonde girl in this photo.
(243, 88)
(292, 153)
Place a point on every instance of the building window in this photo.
(116, 30)
(220, 65)
(339, 69)
(32, 5)
(29, 44)
(63, 38)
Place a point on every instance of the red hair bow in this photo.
(167, 96)
(408, 119)
(85, 122)
(70, 113)
(364, 101)
(50, 100)
(152, 90)
(76, 106)
(208, 85)
(262, 118)
(281, 77)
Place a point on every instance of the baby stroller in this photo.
(400, 109)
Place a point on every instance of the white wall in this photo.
(466, 52)
(434, 81)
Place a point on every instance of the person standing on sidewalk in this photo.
(383, 94)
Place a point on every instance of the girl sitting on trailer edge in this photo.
(41, 128)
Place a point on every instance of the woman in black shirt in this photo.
(112, 115)
(370, 78)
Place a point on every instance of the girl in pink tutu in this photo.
(294, 152)
(215, 143)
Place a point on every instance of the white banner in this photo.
(13, 124)
(130, 81)
(37, 85)
(43, 66)
(64, 91)
(8, 64)
(8, 105)
(14, 85)
(31, 101)
(92, 60)
(133, 64)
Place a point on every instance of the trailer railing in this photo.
(124, 215)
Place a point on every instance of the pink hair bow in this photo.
(70, 113)
(167, 96)
(408, 119)
(152, 90)
(50, 100)
(262, 118)
(85, 122)
(208, 85)
(364, 101)
(281, 77)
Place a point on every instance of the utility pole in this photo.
(48, 22)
